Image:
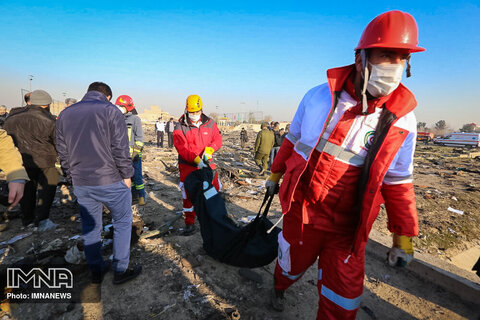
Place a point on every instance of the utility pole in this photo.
(30, 78)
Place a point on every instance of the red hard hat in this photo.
(392, 29)
(125, 101)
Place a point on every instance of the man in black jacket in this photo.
(170, 126)
(278, 141)
(33, 131)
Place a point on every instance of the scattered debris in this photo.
(460, 212)
(15, 239)
(74, 255)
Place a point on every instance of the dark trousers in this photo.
(44, 181)
(170, 139)
(160, 138)
(138, 187)
(118, 199)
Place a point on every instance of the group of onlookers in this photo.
(98, 145)
(162, 127)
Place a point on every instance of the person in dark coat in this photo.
(278, 141)
(169, 128)
(37, 146)
(3, 115)
(243, 138)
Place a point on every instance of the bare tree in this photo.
(440, 125)
(421, 125)
(267, 118)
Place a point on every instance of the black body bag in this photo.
(249, 246)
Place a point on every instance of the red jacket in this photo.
(323, 173)
(191, 141)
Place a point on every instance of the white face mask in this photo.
(384, 79)
(194, 117)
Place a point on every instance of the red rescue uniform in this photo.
(190, 140)
(322, 160)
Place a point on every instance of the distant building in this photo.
(154, 113)
(224, 121)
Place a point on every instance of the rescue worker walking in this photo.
(263, 145)
(243, 138)
(135, 142)
(341, 160)
(196, 137)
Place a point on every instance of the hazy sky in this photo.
(238, 56)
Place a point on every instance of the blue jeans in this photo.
(118, 199)
(138, 188)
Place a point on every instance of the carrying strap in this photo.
(268, 200)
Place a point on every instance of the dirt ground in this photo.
(179, 281)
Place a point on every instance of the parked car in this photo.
(459, 139)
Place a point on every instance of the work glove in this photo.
(208, 153)
(199, 162)
(272, 184)
(401, 253)
(136, 152)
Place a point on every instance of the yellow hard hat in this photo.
(194, 103)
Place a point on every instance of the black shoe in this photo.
(129, 274)
(97, 277)
(277, 299)
(25, 223)
(189, 230)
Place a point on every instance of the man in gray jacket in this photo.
(92, 144)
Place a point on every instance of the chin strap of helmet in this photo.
(366, 76)
(408, 67)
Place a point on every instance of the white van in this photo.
(460, 139)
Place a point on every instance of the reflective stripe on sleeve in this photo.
(345, 303)
(292, 138)
(303, 149)
(398, 179)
